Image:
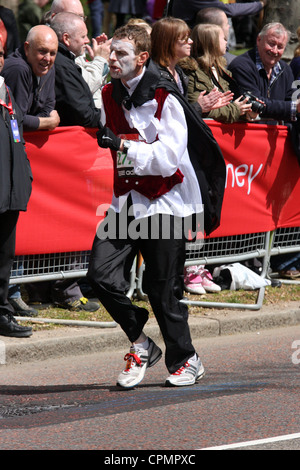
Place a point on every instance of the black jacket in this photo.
(277, 97)
(74, 100)
(205, 154)
(15, 171)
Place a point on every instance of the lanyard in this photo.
(9, 105)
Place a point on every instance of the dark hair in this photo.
(164, 35)
(210, 15)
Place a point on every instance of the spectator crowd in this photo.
(149, 67)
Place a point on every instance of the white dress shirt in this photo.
(162, 151)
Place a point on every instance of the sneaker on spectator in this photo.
(79, 304)
(291, 273)
(207, 282)
(137, 362)
(22, 309)
(193, 280)
(188, 374)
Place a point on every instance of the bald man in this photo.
(30, 74)
(69, 6)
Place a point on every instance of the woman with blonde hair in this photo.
(206, 69)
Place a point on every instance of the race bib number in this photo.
(124, 165)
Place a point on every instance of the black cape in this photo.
(205, 153)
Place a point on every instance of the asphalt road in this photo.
(249, 398)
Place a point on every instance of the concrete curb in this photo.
(63, 342)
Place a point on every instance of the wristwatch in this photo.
(126, 146)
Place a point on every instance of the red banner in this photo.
(73, 178)
(263, 186)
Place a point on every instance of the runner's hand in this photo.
(107, 139)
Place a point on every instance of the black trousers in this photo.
(8, 223)
(109, 269)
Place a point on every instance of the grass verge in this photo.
(273, 296)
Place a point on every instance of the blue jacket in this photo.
(188, 9)
(277, 97)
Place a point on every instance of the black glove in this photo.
(107, 139)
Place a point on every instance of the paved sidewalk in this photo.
(73, 340)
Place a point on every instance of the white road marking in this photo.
(269, 440)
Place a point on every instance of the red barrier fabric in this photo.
(262, 187)
(73, 179)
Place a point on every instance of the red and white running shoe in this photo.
(137, 362)
(188, 374)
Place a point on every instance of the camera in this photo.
(257, 105)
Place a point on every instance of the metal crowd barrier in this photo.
(285, 241)
(55, 266)
(222, 250)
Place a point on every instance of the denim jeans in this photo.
(14, 290)
(97, 12)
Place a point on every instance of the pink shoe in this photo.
(193, 280)
(207, 282)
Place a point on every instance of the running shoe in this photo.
(188, 374)
(137, 362)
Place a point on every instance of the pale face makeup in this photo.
(122, 59)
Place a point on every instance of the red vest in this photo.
(150, 186)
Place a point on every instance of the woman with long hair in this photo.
(206, 69)
(171, 43)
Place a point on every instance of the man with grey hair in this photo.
(261, 71)
(74, 100)
(95, 70)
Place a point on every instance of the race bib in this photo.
(124, 165)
